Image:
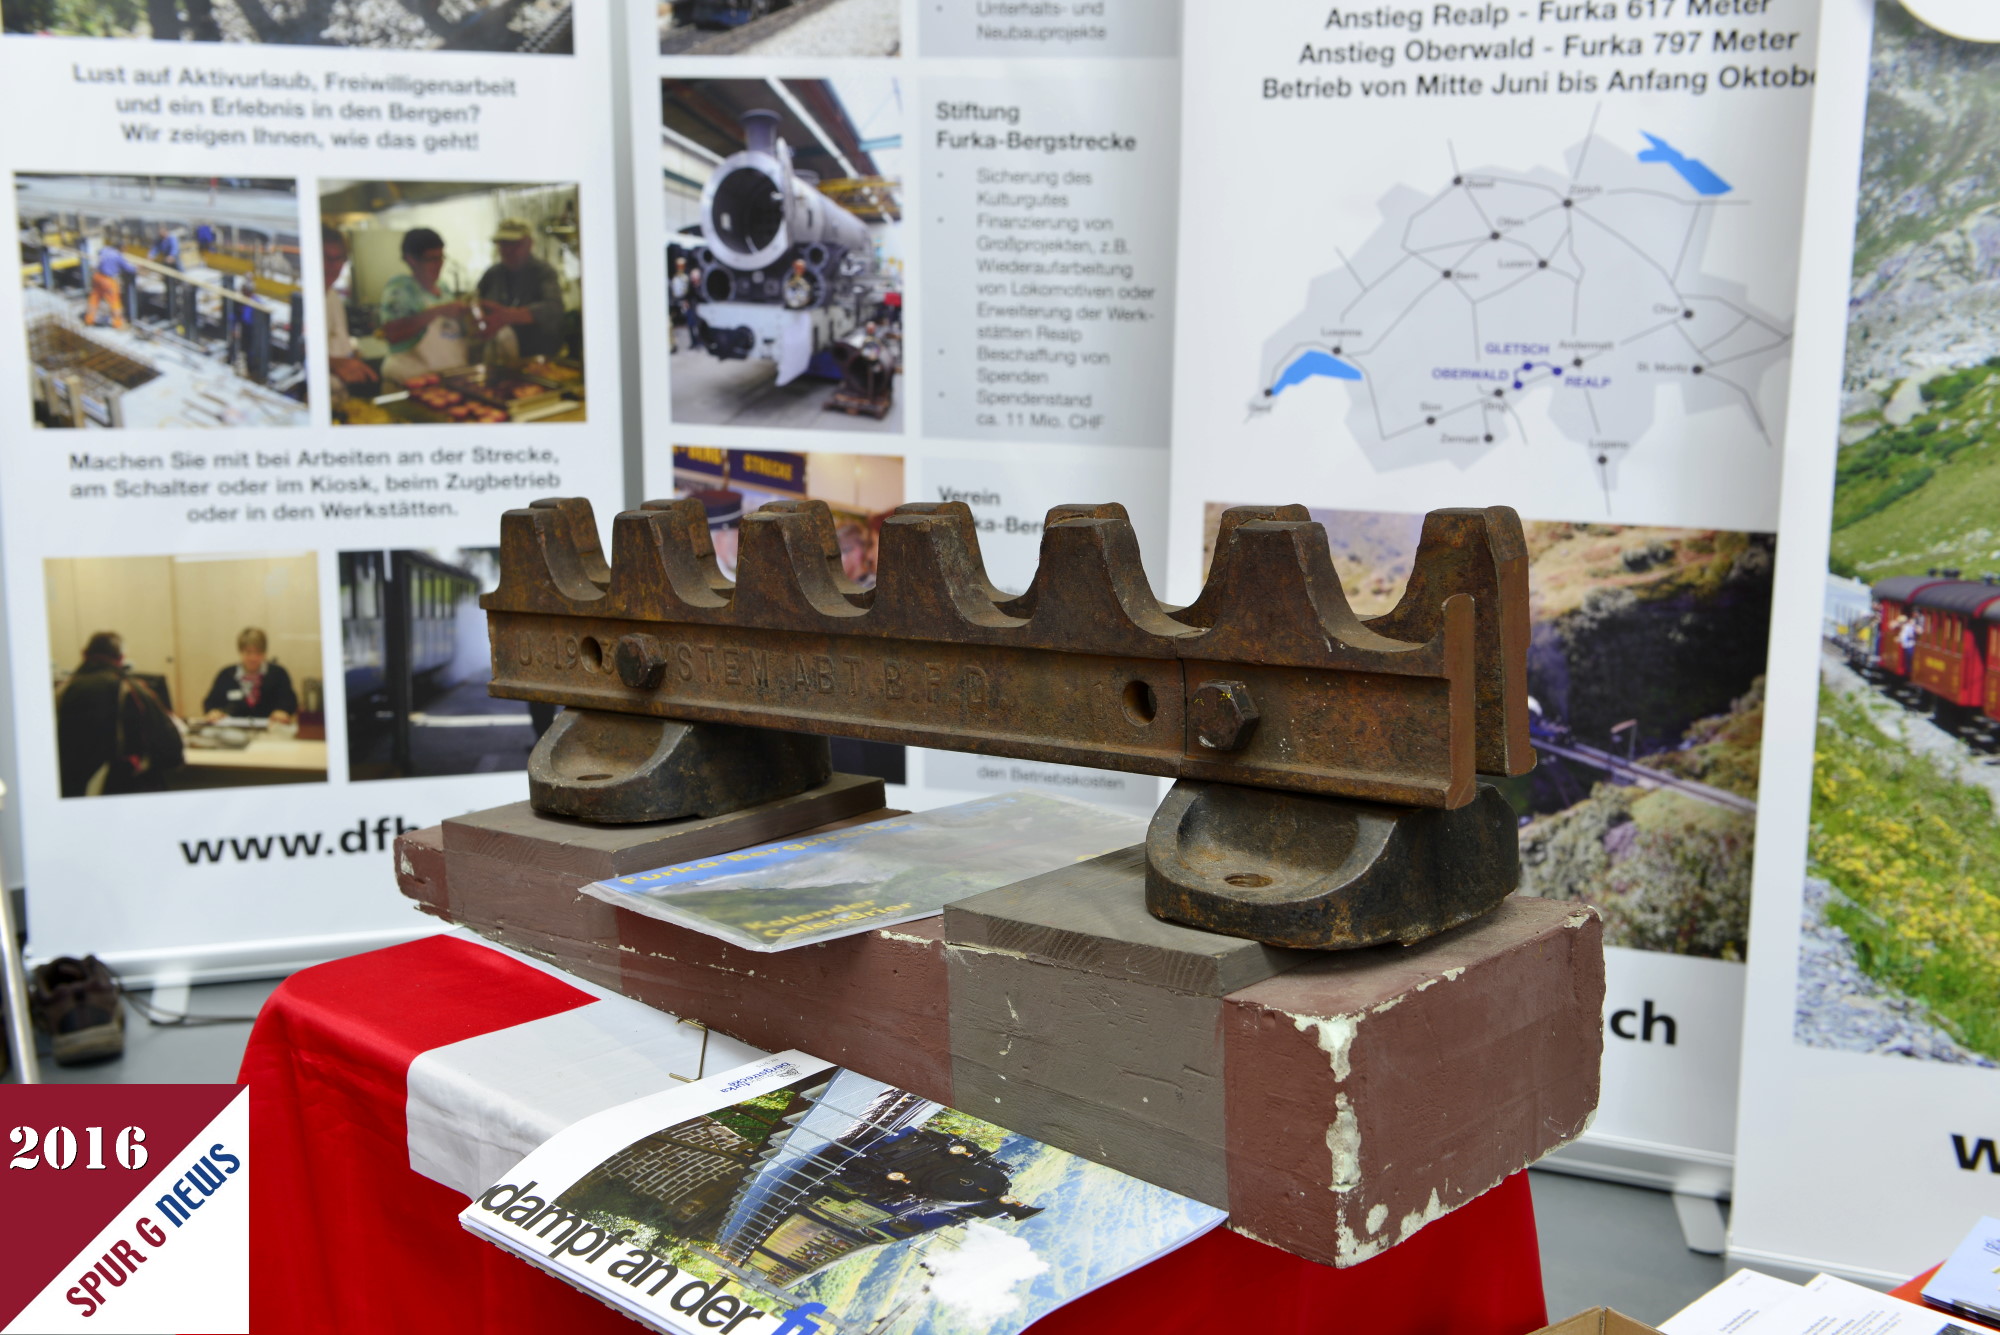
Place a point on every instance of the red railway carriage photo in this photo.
(1892, 608)
(1937, 636)
(1989, 703)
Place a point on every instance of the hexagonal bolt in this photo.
(642, 664)
(1222, 714)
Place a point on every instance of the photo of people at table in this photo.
(452, 301)
(179, 672)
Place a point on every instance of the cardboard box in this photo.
(1598, 1321)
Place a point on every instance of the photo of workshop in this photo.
(781, 27)
(784, 258)
(860, 490)
(519, 27)
(414, 650)
(179, 672)
(452, 301)
(162, 301)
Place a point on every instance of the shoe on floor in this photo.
(76, 1002)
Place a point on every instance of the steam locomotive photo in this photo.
(785, 271)
(1933, 642)
(841, 1180)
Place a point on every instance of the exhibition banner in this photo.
(303, 303)
(1871, 1066)
(963, 292)
(1542, 257)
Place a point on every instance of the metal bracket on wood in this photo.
(1267, 683)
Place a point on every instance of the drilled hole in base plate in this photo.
(1140, 705)
(1248, 880)
(592, 778)
(592, 653)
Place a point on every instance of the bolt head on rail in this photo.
(1222, 714)
(642, 664)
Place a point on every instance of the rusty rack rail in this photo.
(1268, 681)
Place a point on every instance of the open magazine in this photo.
(1749, 1303)
(1969, 1281)
(797, 891)
(790, 1196)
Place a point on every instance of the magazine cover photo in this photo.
(835, 1197)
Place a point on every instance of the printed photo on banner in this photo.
(784, 251)
(859, 489)
(453, 301)
(178, 672)
(162, 301)
(781, 27)
(1646, 700)
(521, 27)
(1900, 950)
(414, 650)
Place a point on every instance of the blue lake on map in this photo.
(1313, 363)
(1693, 170)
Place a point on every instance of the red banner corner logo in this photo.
(134, 1202)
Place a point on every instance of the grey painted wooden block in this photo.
(1118, 1071)
(1333, 1103)
(1080, 1018)
(1092, 917)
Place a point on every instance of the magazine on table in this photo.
(1969, 1282)
(1748, 1303)
(794, 892)
(1731, 1305)
(791, 1196)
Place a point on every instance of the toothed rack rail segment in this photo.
(1268, 679)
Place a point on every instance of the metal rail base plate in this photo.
(1322, 873)
(624, 768)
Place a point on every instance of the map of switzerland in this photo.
(1587, 288)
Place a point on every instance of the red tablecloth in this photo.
(348, 1238)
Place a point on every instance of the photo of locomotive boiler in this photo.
(1645, 678)
(1900, 918)
(784, 258)
(416, 661)
(161, 301)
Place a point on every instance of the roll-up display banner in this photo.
(1870, 1113)
(1541, 256)
(893, 253)
(307, 294)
